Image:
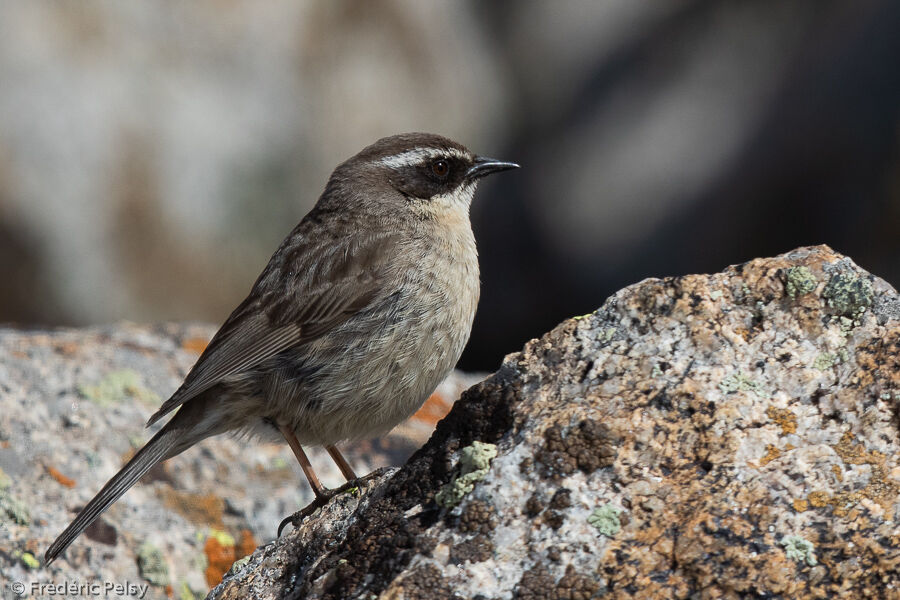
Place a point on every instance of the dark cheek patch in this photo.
(417, 185)
(419, 181)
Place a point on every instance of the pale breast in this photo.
(379, 367)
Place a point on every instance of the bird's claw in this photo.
(318, 502)
(298, 517)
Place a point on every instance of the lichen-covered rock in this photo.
(686, 440)
(73, 404)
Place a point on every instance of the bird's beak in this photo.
(485, 166)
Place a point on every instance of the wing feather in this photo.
(289, 306)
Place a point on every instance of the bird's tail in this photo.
(177, 435)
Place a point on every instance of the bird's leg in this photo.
(323, 494)
(341, 462)
(317, 488)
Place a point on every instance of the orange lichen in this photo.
(771, 454)
(195, 344)
(200, 509)
(837, 472)
(434, 409)
(844, 501)
(219, 558)
(221, 552)
(801, 505)
(786, 419)
(743, 332)
(852, 454)
(62, 479)
(246, 545)
(880, 488)
(67, 348)
(818, 499)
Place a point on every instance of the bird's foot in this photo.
(318, 502)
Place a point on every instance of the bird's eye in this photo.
(440, 168)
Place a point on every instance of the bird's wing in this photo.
(302, 293)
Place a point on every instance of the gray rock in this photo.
(73, 404)
(685, 440)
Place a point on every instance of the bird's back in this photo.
(377, 368)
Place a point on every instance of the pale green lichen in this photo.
(849, 294)
(606, 519)
(827, 360)
(13, 509)
(798, 549)
(27, 559)
(739, 382)
(474, 463)
(238, 565)
(223, 538)
(152, 565)
(199, 560)
(117, 386)
(846, 325)
(715, 294)
(186, 593)
(656, 372)
(606, 335)
(800, 281)
(278, 463)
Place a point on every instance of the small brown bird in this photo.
(360, 313)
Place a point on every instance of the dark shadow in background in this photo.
(823, 167)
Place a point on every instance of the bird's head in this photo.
(427, 173)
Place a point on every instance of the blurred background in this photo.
(154, 154)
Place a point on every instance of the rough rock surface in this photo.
(707, 436)
(73, 404)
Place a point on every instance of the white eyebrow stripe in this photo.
(417, 155)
